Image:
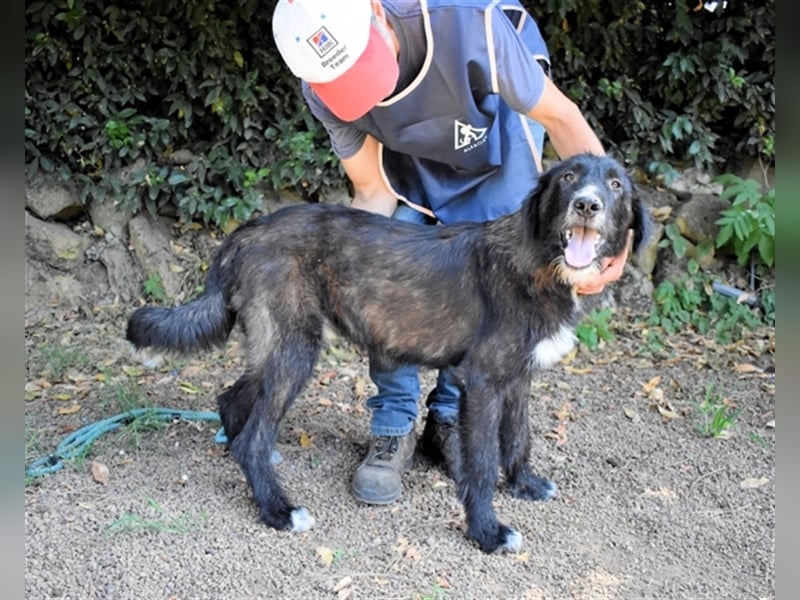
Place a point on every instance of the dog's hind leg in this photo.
(479, 416)
(269, 389)
(515, 446)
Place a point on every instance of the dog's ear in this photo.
(539, 203)
(642, 221)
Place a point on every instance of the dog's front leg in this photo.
(267, 392)
(515, 445)
(479, 423)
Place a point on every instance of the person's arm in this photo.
(567, 128)
(371, 192)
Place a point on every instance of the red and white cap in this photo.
(335, 47)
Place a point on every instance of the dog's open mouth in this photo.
(581, 246)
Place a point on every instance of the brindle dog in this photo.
(493, 300)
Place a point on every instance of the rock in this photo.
(150, 240)
(124, 275)
(49, 200)
(110, 218)
(634, 291)
(696, 218)
(693, 181)
(54, 244)
(647, 256)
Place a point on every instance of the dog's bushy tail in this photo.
(201, 324)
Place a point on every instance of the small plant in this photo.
(437, 592)
(749, 224)
(691, 302)
(716, 416)
(154, 288)
(122, 394)
(594, 328)
(162, 523)
(54, 360)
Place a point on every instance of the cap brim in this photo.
(372, 78)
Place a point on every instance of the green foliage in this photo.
(692, 304)
(668, 84)
(596, 326)
(749, 225)
(54, 360)
(154, 103)
(154, 288)
(716, 417)
(160, 522)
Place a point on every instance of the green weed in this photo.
(154, 288)
(716, 418)
(53, 361)
(596, 326)
(163, 522)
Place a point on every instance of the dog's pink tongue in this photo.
(580, 250)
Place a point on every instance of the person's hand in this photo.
(610, 270)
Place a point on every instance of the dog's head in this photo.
(582, 210)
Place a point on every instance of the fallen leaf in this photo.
(559, 434)
(69, 410)
(345, 593)
(360, 387)
(305, 440)
(564, 413)
(577, 371)
(344, 582)
(747, 368)
(662, 492)
(325, 402)
(176, 268)
(325, 555)
(667, 413)
(189, 388)
(62, 397)
(99, 472)
(132, 371)
(522, 557)
(661, 213)
(631, 414)
(326, 378)
(753, 482)
(651, 385)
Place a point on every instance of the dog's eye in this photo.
(569, 177)
(615, 184)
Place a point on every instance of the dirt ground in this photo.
(648, 506)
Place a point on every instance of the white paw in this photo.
(302, 520)
(146, 357)
(552, 491)
(513, 542)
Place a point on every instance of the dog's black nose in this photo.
(587, 207)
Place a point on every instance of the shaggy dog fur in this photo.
(494, 300)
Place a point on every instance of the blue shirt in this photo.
(454, 138)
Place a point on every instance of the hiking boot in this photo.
(377, 479)
(440, 442)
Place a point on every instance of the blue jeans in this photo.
(394, 407)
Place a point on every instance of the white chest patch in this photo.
(552, 349)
